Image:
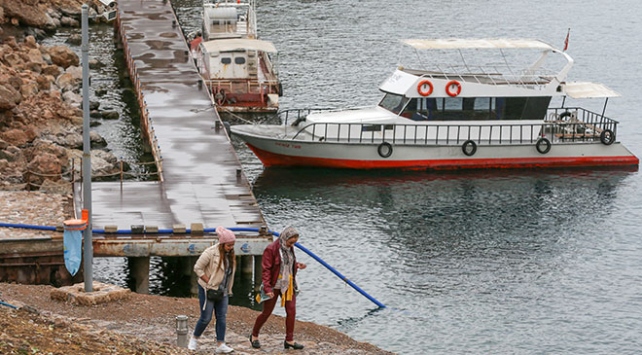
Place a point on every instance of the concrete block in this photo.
(101, 293)
(179, 229)
(197, 229)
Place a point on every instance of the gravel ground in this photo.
(143, 324)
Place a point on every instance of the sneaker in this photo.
(193, 343)
(224, 349)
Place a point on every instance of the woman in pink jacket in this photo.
(279, 279)
(215, 269)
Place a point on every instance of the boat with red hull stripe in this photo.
(449, 117)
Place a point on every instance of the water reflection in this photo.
(462, 226)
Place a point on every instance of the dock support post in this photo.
(246, 266)
(139, 269)
(193, 280)
(258, 259)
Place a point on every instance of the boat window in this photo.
(526, 108)
(226, 60)
(393, 102)
(239, 60)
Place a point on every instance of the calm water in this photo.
(478, 262)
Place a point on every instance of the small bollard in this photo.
(181, 331)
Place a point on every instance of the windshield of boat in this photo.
(394, 102)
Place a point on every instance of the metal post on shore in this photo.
(86, 154)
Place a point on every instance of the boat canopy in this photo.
(235, 44)
(587, 90)
(459, 43)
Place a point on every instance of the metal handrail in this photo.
(578, 125)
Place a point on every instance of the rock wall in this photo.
(40, 114)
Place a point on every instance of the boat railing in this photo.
(493, 75)
(563, 125)
(294, 116)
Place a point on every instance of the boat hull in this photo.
(292, 153)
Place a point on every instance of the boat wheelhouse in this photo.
(492, 115)
(228, 19)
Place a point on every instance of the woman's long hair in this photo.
(221, 252)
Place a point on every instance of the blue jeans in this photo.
(220, 312)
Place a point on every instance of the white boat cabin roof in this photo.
(587, 90)
(238, 44)
(459, 43)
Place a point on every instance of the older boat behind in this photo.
(238, 68)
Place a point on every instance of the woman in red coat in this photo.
(279, 279)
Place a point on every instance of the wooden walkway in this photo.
(202, 181)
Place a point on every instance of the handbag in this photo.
(215, 295)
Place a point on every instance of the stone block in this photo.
(179, 229)
(101, 293)
(197, 229)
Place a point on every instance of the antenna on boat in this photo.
(566, 40)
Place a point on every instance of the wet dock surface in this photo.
(202, 178)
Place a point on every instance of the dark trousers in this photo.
(268, 307)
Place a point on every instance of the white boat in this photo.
(236, 66)
(455, 117)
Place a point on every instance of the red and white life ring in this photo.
(424, 88)
(449, 88)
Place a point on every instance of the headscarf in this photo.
(287, 258)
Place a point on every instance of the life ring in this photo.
(384, 150)
(220, 97)
(449, 86)
(469, 148)
(422, 91)
(564, 115)
(543, 145)
(607, 137)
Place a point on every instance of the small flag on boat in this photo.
(566, 40)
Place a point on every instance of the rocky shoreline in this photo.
(40, 103)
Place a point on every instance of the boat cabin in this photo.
(467, 108)
(234, 58)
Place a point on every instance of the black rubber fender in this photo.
(469, 148)
(607, 137)
(543, 145)
(384, 149)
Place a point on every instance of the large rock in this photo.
(63, 56)
(18, 137)
(44, 166)
(9, 97)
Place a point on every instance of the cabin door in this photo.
(233, 65)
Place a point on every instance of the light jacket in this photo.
(207, 265)
(271, 265)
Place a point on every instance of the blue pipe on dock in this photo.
(8, 305)
(212, 230)
(27, 226)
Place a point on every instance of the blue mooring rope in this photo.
(212, 230)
